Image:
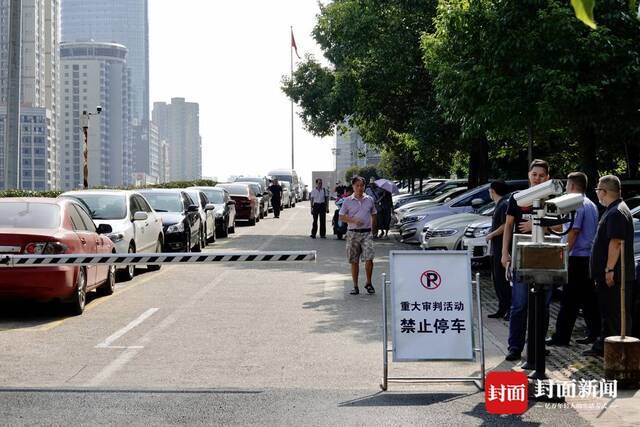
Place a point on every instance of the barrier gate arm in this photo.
(8, 261)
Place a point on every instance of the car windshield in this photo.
(29, 215)
(282, 178)
(215, 197)
(164, 202)
(104, 206)
(236, 189)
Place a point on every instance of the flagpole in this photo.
(291, 76)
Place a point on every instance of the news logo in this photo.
(506, 393)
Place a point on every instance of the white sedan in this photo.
(136, 227)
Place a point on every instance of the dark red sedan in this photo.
(247, 205)
(31, 226)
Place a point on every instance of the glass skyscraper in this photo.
(115, 21)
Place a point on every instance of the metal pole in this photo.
(293, 162)
(12, 133)
(385, 353)
(481, 331)
(623, 306)
(85, 149)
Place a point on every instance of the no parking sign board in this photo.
(431, 296)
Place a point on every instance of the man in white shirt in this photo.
(319, 199)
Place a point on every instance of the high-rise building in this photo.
(179, 124)
(115, 21)
(351, 150)
(38, 144)
(95, 74)
(158, 155)
(124, 22)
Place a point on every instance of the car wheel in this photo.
(212, 239)
(252, 221)
(232, 229)
(188, 242)
(109, 286)
(203, 237)
(158, 250)
(79, 299)
(130, 271)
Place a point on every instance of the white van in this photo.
(290, 176)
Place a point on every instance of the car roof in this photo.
(161, 190)
(97, 191)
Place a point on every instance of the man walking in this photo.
(497, 191)
(518, 220)
(276, 197)
(359, 212)
(614, 229)
(319, 199)
(579, 291)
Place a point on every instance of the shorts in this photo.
(359, 244)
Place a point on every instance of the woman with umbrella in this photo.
(385, 205)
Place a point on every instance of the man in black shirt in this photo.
(614, 229)
(519, 220)
(497, 192)
(276, 197)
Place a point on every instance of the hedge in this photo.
(56, 193)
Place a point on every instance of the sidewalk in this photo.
(565, 364)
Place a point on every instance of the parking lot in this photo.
(237, 343)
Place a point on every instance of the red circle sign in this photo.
(430, 280)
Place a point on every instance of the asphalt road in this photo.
(268, 344)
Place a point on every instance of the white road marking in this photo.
(130, 352)
(144, 316)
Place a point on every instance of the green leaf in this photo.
(633, 6)
(584, 11)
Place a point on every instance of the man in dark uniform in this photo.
(498, 190)
(614, 229)
(276, 197)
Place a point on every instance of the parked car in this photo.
(263, 197)
(446, 233)
(247, 208)
(225, 209)
(474, 239)
(432, 189)
(412, 225)
(136, 227)
(407, 209)
(288, 198)
(180, 219)
(207, 217)
(264, 194)
(32, 226)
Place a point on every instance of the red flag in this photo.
(293, 44)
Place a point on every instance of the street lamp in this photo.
(84, 121)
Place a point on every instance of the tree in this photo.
(377, 80)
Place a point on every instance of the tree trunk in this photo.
(421, 185)
(588, 154)
(633, 159)
(478, 161)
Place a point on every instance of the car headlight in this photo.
(115, 237)
(481, 232)
(176, 228)
(446, 232)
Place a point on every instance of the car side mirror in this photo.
(140, 216)
(476, 203)
(209, 207)
(192, 208)
(104, 229)
(231, 203)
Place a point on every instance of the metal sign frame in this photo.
(476, 327)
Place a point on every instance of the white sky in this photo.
(229, 56)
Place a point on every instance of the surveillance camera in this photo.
(99, 109)
(526, 197)
(564, 204)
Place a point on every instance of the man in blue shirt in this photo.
(580, 291)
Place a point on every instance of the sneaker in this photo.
(586, 340)
(312, 236)
(592, 353)
(551, 341)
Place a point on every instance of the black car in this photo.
(225, 212)
(180, 219)
(432, 190)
